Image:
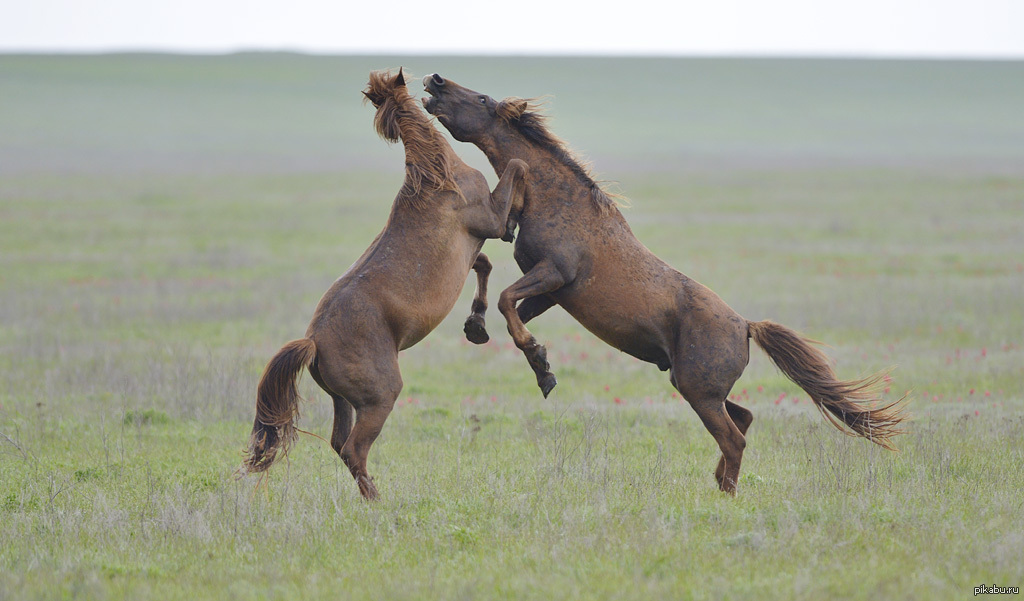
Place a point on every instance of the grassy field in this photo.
(166, 223)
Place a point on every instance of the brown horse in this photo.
(576, 250)
(405, 283)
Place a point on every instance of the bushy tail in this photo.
(853, 404)
(277, 405)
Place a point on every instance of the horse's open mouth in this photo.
(429, 102)
(430, 87)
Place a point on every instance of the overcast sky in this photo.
(919, 28)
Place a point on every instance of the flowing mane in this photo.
(399, 117)
(525, 115)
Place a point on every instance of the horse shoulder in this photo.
(472, 185)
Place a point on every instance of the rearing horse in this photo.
(576, 250)
(399, 290)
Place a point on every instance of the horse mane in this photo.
(526, 116)
(399, 117)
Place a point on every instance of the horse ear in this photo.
(399, 79)
(375, 99)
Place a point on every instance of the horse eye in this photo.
(483, 100)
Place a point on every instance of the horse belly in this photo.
(638, 330)
(423, 304)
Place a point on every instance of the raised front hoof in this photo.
(510, 229)
(475, 330)
(547, 384)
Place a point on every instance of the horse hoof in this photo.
(367, 489)
(510, 229)
(475, 330)
(547, 384)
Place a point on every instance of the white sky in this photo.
(919, 28)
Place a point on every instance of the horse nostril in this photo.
(437, 79)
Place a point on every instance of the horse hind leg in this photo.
(342, 410)
(370, 386)
(475, 329)
(742, 417)
(342, 423)
(369, 422)
(730, 440)
(706, 392)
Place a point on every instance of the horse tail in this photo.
(853, 404)
(277, 405)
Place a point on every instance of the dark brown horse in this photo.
(405, 283)
(576, 250)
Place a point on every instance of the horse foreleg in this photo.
(510, 194)
(475, 329)
(543, 278)
(534, 306)
(490, 219)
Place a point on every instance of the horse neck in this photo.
(503, 146)
(429, 160)
(424, 147)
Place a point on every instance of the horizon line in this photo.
(506, 53)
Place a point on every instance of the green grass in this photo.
(166, 223)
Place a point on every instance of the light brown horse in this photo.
(405, 283)
(576, 250)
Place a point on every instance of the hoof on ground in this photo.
(475, 330)
(727, 486)
(367, 488)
